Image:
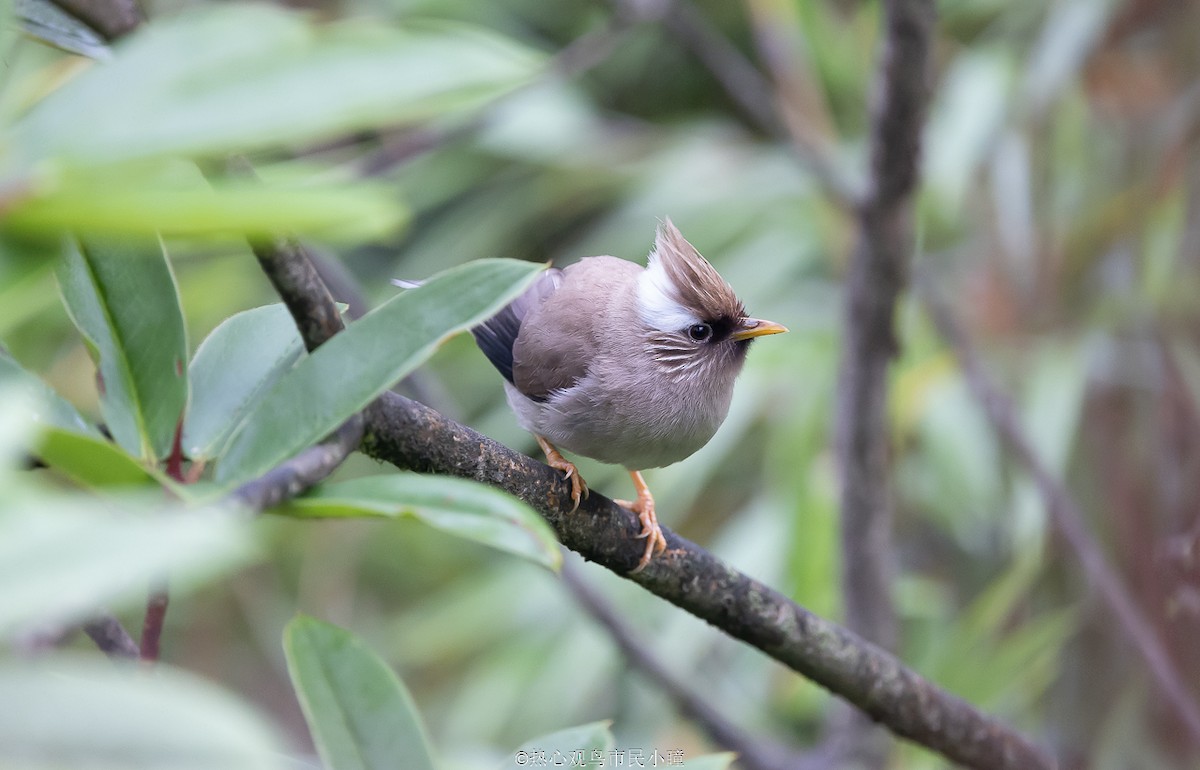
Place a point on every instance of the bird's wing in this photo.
(563, 336)
(497, 336)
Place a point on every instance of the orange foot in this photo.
(644, 508)
(579, 488)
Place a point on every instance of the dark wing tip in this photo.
(497, 336)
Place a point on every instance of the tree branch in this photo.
(877, 275)
(1065, 513)
(410, 435)
(754, 753)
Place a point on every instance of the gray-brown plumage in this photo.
(627, 365)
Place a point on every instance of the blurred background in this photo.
(1059, 214)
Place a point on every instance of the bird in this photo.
(624, 364)
(628, 365)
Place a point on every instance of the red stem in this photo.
(156, 605)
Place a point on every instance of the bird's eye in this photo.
(699, 332)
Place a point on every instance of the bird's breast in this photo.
(630, 421)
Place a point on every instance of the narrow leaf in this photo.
(60, 559)
(26, 279)
(122, 297)
(67, 442)
(17, 429)
(226, 78)
(359, 712)
(457, 506)
(51, 408)
(92, 461)
(233, 368)
(66, 712)
(145, 199)
(353, 368)
(565, 744)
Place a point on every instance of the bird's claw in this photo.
(579, 487)
(651, 532)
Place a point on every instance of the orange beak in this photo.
(749, 328)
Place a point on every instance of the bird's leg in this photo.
(579, 488)
(643, 506)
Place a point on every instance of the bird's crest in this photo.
(681, 287)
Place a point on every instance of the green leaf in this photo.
(17, 428)
(122, 297)
(68, 442)
(92, 461)
(596, 736)
(457, 506)
(61, 558)
(66, 712)
(1069, 35)
(26, 280)
(50, 409)
(228, 78)
(359, 712)
(176, 200)
(232, 370)
(353, 368)
(1021, 657)
(10, 30)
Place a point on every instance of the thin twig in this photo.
(111, 637)
(590, 49)
(743, 83)
(747, 86)
(304, 471)
(754, 752)
(286, 263)
(778, 41)
(152, 624)
(155, 618)
(1065, 513)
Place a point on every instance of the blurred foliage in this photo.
(1060, 209)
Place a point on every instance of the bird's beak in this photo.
(749, 328)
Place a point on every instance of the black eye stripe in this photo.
(713, 331)
(723, 327)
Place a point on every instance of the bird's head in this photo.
(695, 323)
